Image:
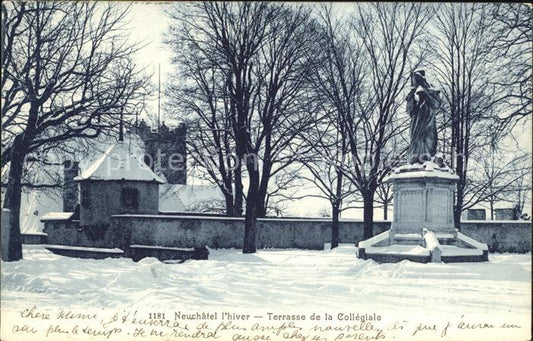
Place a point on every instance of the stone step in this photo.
(408, 239)
(167, 254)
(84, 252)
(446, 238)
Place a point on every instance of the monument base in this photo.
(463, 249)
(423, 229)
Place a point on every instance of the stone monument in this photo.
(423, 229)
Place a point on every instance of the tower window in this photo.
(130, 198)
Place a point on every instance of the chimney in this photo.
(70, 187)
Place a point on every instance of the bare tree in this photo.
(284, 187)
(362, 84)
(385, 198)
(513, 35)
(262, 51)
(473, 71)
(203, 103)
(521, 190)
(496, 177)
(329, 142)
(66, 73)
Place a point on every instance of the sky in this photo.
(148, 24)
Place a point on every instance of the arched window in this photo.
(130, 198)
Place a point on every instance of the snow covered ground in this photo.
(280, 281)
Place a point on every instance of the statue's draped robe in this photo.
(421, 105)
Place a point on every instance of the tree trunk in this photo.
(491, 210)
(335, 211)
(261, 207)
(238, 190)
(12, 202)
(457, 208)
(250, 219)
(385, 210)
(230, 208)
(263, 189)
(368, 214)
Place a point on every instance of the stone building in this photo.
(165, 150)
(117, 183)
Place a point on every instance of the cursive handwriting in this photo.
(34, 323)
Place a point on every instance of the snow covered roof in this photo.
(119, 163)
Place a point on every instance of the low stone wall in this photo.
(34, 238)
(500, 236)
(225, 232)
(65, 232)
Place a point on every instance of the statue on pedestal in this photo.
(423, 227)
(422, 102)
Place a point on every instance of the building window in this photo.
(130, 198)
(85, 197)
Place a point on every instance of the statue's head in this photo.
(418, 77)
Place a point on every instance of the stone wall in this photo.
(65, 232)
(219, 232)
(224, 232)
(501, 236)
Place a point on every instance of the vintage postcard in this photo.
(251, 171)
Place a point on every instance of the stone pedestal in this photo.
(423, 227)
(423, 199)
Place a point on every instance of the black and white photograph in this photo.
(264, 171)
